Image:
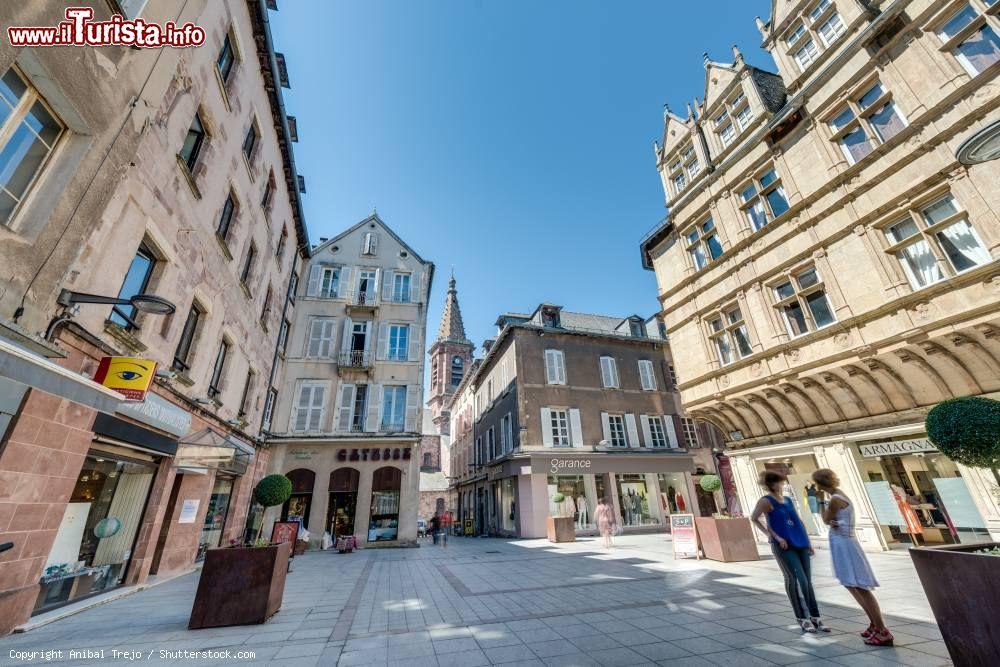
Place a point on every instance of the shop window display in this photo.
(575, 502)
(94, 543)
(507, 505)
(215, 516)
(297, 506)
(673, 493)
(919, 498)
(633, 499)
(384, 521)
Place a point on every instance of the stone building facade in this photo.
(195, 200)
(347, 427)
(828, 269)
(579, 404)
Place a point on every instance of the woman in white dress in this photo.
(850, 565)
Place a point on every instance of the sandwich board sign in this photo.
(685, 537)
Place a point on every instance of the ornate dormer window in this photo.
(735, 117)
(817, 31)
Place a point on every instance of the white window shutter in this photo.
(345, 341)
(613, 366)
(318, 408)
(380, 398)
(374, 243)
(546, 427)
(300, 416)
(647, 431)
(315, 275)
(412, 408)
(646, 377)
(606, 426)
(345, 406)
(312, 339)
(417, 286)
(382, 349)
(374, 403)
(668, 421)
(633, 432)
(344, 283)
(561, 367)
(375, 288)
(387, 284)
(414, 351)
(551, 376)
(606, 372)
(575, 429)
(329, 335)
(369, 335)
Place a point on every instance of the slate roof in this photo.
(771, 87)
(452, 328)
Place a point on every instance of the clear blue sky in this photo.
(511, 140)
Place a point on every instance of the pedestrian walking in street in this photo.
(850, 565)
(791, 548)
(435, 527)
(605, 517)
(445, 524)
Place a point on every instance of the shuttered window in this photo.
(646, 377)
(609, 373)
(310, 407)
(321, 334)
(555, 367)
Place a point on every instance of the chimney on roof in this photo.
(487, 346)
(737, 55)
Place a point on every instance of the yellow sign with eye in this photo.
(129, 376)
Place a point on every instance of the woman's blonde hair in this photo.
(826, 478)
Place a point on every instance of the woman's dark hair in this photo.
(769, 478)
(825, 478)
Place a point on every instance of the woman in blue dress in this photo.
(791, 548)
(850, 565)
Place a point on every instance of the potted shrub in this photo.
(962, 581)
(243, 584)
(723, 538)
(560, 525)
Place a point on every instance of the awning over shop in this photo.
(32, 370)
(206, 449)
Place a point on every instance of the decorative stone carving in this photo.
(756, 369)
(842, 339)
(922, 311)
(793, 355)
(860, 230)
(724, 380)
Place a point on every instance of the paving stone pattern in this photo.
(527, 602)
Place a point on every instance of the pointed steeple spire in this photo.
(452, 327)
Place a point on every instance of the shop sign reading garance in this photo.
(896, 448)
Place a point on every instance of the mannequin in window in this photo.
(582, 512)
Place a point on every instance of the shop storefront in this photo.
(368, 490)
(96, 537)
(522, 491)
(906, 492)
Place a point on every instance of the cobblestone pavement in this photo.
(529, 602)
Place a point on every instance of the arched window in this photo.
(384, 522)
(296, 508)
(457, 371)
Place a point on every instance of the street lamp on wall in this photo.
(147, 303)
(981, 147)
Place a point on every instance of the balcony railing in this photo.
(362, 299)
(355, 359)
(392, 427)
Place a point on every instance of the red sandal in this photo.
(865, 634)
(880, 638)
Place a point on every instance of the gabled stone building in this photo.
(347, 426)
(828, 269)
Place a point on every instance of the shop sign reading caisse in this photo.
(374, 454)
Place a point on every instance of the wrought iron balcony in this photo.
(357, 359)
(361, 300)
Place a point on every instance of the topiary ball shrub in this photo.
(273, 490)
(558, 497)
(710, 483)
(967, 430)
